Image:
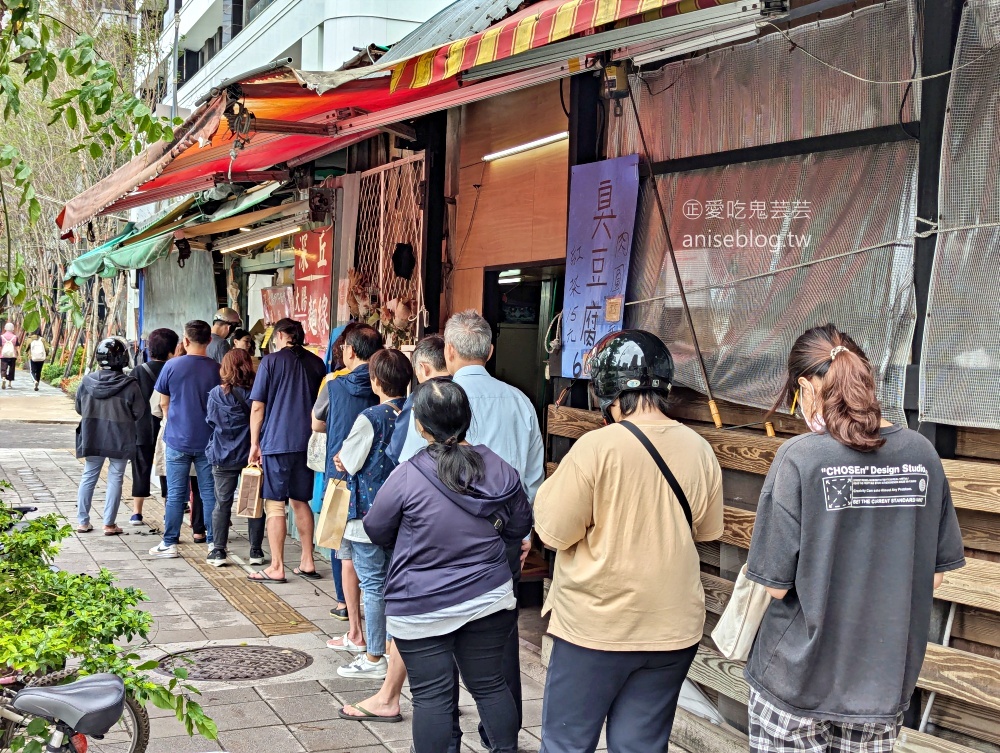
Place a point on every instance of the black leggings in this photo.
(9, 366)
(478, 648)
(36, 369)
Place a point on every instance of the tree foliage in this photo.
(71, 115)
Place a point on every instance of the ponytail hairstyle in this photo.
(443, 409)
(847, 400)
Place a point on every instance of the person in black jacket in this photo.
(229, 417)
(109, 403)
(161, 344)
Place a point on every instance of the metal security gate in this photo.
(390, 213)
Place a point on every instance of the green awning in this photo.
(114, 255)
(92, 263)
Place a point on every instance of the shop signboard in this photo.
(602, 205)
(278, 303)
(314, 284)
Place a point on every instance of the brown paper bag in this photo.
(250, 502)
(333, 517)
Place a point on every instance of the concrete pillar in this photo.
(312, 50)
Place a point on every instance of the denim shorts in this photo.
(345, 552)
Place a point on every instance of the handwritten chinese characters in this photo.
(602, 208)
(314, 252)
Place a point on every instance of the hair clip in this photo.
(795, 399)
(837, 351)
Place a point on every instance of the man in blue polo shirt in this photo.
(282, 396)
(184, 384)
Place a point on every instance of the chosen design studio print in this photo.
(861, 486)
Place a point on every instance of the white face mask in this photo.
(816, 422)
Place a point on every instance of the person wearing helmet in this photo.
(109, 403)
(8, 355)
(223, 324)
(623, 511)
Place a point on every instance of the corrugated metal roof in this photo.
(461, 19)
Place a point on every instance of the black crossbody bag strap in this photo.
(664, 469)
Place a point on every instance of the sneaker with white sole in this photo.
(363, 669)
(217, 557)
(135, 520)
(164, 551)
(256, 556)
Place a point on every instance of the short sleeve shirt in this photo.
(856, 538)
(218, 348)
(187, 380)
(627, 576)
(287, 384)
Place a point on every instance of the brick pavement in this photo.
(296, 713)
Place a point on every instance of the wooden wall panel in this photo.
(467, 289)
(520, 216)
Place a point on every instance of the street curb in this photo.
(54, 421)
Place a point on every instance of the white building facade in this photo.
(221, 39)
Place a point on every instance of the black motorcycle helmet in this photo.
(112, 354)
(631, 359)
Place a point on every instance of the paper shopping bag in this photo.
(333, 517)
(250, 502)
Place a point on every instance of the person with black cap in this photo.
(623, 512)
(223, 324)
(109, 403)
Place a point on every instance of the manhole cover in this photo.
(236, 662)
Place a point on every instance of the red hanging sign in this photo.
(313, 284)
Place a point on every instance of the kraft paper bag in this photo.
(333, 517)
(250, 502)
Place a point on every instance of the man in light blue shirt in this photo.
(504, 420)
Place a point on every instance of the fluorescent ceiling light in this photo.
(699, 42)
(510, 273)
(261, 234)
(245, 229)
(526, 147)
(610, 40)
(510, 280)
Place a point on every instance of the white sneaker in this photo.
(163, 551)
(362, 669)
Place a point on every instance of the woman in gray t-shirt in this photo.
(855, 528)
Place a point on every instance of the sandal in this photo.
(264, 578)
(84, 528)
(307, 574)
(368, 716)
(345, 644)
(113, 531)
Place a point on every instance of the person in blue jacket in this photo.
(229, 417)
(339, 404)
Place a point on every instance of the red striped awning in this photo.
(537, 25)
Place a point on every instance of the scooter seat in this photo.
(90, 705)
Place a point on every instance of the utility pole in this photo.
(177, 73)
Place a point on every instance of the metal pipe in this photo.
(933, 696)
(223, 85)
(177, 64)
(716, 418)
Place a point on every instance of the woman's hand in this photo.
(337, 464)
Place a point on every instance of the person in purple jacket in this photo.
(449, 598)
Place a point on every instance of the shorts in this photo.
(773, 730)
(346, 551)
(287, 477)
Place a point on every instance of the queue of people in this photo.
(447, 488)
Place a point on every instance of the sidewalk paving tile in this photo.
(273, 739)
(333, 734)
(291, 689)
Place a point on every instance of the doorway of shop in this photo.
(520, 304)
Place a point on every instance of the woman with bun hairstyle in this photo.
(855, 529)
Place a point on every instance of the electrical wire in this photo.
(909, 88)
(914, 80)
(562, 99)
(472, 217)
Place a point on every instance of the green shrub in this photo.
(50, 617)
(52, 373)
(71, 385)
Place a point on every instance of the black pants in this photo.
(226, 481)
(511, 656)
(36, 370)
(478, 649)
(197, 509)
(142, 469)
(9, 365)
(636, 691)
